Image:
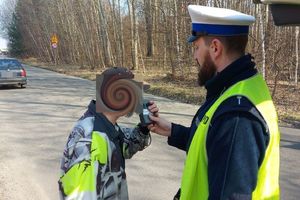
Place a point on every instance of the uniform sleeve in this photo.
(135, 139)
(179, 136)
(236, 144)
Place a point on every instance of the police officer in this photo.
(232, 143)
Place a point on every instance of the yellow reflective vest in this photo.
(79, 182)
(92, 165)
(194, 184)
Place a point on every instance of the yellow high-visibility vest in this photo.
(194, 184)
(80, 180)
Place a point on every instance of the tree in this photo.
(105, 39)
(16, 47)
(297, 55)
(149, 26)
(134, 32)
(6, 12)
(263, 39)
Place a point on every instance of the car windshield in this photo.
(9, 64)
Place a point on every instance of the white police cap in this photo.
(218, 22)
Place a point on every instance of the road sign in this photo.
(54, 45)
(54, 39)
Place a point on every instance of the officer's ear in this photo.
(216, 49)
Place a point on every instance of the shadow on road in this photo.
(291, 145)
(44, 103)
(9, 87)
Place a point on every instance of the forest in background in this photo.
(149, 36)
(140, 34)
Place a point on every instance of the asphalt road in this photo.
(35, 123)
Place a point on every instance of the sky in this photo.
(3, 43)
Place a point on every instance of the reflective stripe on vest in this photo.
(80, 180)
(194, 184)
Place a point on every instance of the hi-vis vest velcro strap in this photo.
(194, 184)
(79, 182)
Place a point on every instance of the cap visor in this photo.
(192, 38)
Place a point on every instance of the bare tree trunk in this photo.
(165, 38)
(262, 35)
(297, 56)
(210, 2)
(169, 34)
(133, 25)
(177, 47)
(155, 22)
(121, 41)
(277, 71)
(118, 50)
(149, 26)
(141, 54)
(85, 33)
(105, 40)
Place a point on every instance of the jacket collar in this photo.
(102, 124)
(240, 69)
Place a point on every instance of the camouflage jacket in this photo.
(93, 163)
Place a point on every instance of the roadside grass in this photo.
(185, 89)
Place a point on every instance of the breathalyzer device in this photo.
(144, 116)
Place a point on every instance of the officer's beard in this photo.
(206, 71)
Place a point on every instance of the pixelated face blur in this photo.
(206, 67)
(117, 93)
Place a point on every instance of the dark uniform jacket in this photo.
(236, 140)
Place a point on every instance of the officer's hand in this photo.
(160, 125)
(152, 107)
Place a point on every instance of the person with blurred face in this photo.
(232, 144)
(93, 163)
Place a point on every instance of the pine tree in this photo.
(15, 45)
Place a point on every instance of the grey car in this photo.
(12, 72)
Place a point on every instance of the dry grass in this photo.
(184, 89)
(180, 89)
